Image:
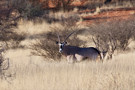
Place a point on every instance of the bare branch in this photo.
(5, 64)
(96, 42)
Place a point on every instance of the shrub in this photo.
(7, 24)
(47, 47)
(28, 9)
(4, 63)
(113, 36)
(11, 38)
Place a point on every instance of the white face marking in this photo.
(61, 47)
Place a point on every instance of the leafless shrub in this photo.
(9, 36)
(70, 19)
(4, 66)
(47, 47)
(4, 63)
(112, 36)
(29, 9)
(8, 21)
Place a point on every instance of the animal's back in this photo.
(91, 53)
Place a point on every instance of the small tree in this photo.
(112, 36)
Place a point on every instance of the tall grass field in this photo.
(30, 72)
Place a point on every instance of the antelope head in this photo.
(62, 44)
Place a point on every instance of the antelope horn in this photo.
(58, 37)
(69, 36)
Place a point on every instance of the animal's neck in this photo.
(68, 50)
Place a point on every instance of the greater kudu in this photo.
(75, 54)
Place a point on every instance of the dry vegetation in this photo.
(107, 38)
(34, 73)
(46, 46)
(30, 72)
(113, 36)
(31, 60)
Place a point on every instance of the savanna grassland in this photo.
(36, 64)
(33, 73)
(30, 72)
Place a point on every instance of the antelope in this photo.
(77, 54)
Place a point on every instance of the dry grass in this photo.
(31, 28)
(124, 4)
(33, 73)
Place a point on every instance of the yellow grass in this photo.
(30, 28)
(35, 73)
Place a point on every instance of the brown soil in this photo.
(107, 16)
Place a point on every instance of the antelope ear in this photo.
(57, 42)
(65, 42)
